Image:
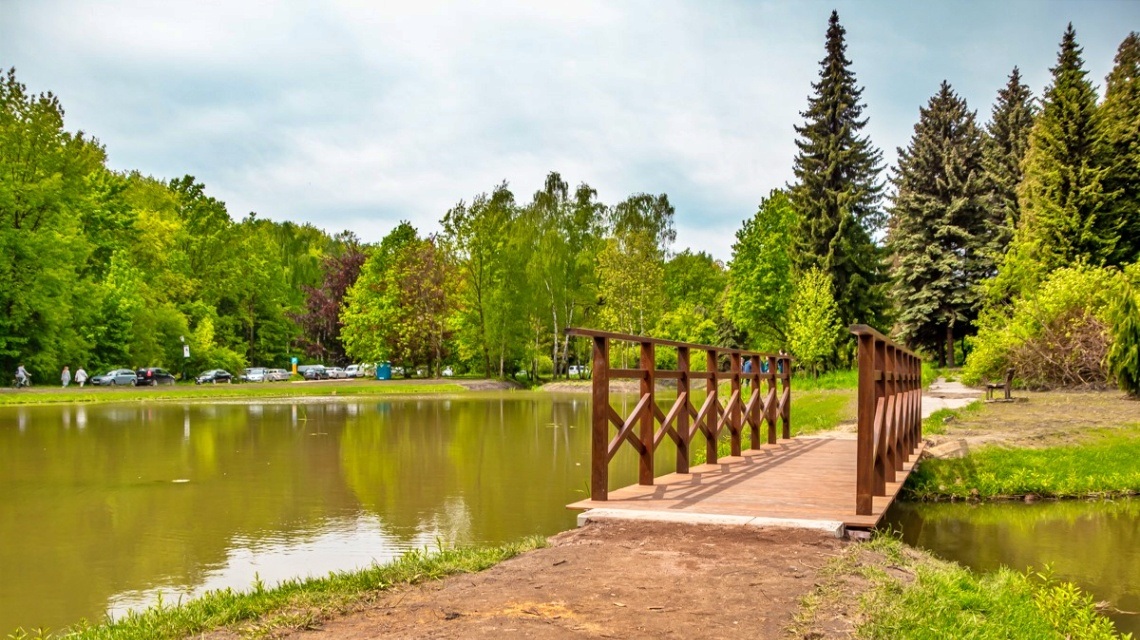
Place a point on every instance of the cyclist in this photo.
(21, 376)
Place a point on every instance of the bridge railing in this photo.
(647, 426)
(890, 413)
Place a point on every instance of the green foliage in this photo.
(837, 189)
(1064, 217)
(1006, 142)
(1055, 335)
(939, 226)
(1123, 359)
(813, 321)
(760, 281)
(1120, 126)
(1103, 465)
(630, 277)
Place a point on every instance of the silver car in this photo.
(277, 375)
(115, 377)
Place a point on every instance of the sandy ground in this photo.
(1043, 419)
(612, 580)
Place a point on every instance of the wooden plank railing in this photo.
(647, 426)
(890, 413)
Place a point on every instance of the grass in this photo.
(223, 392)
(294, 604)
(935, 424)
(1103, 464)
(899, 592)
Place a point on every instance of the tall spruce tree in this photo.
(1007, 140)
(1120, 121)
(837, 190)
(938, 225)
(1063, 207)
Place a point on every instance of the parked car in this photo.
(314, 372)
(336, 373)
(153, 376)
(253, 374)
(578, 370)
(214, 376)
(115, 377)
(354, 371)
(277, 375)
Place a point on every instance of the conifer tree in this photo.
(938, 225)
(1007, 140)
(1063, 207)
(1120, 121)
(837, 190)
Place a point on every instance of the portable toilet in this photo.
(384, 371)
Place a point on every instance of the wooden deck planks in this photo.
(803, 478)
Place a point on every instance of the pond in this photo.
(104, 507)
(1095, 545)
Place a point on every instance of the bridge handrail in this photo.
(710, 420)
(890, 413)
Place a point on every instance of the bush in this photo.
(1056, 336)
(1123, 358)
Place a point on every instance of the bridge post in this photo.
(786, 401)
(599, 448)
(770, 406)
(648, 387)
(754, 418)
(712, 418)
(683, 417)
(734, 418)
(865, 431)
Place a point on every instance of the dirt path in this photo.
(613, 580)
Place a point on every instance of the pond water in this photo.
(1095, 545)
(103, 507)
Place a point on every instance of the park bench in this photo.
(1007, 385)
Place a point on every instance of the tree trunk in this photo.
(950, 344)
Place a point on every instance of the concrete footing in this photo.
(833, 527)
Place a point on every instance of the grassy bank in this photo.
(884, 589)
(294, 604)
(41, 395)
(1102, 465)
(1053, 445)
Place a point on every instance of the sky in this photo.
(357, 115)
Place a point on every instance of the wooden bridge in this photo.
(845, 482)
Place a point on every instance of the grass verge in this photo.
(293, 604)
(1102, 464)
(884, 589)
(223, 392)
(935, 424)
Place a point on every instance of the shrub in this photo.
(1057, 335)
(1123, 358)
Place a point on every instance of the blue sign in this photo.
(293, 360)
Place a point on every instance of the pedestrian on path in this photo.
(65, 377)
(80, 377)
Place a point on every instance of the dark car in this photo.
(315, 372)
(214, 376)
(153, 376)
(115, 377)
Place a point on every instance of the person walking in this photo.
(22, 376)
(80, 377)
(65, 377)
(748, 373)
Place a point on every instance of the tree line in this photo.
(105, 268)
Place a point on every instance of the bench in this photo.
(1007, 385)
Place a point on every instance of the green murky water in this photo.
(103, 507)
(1095, 545)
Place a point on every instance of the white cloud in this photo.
(359, 114)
